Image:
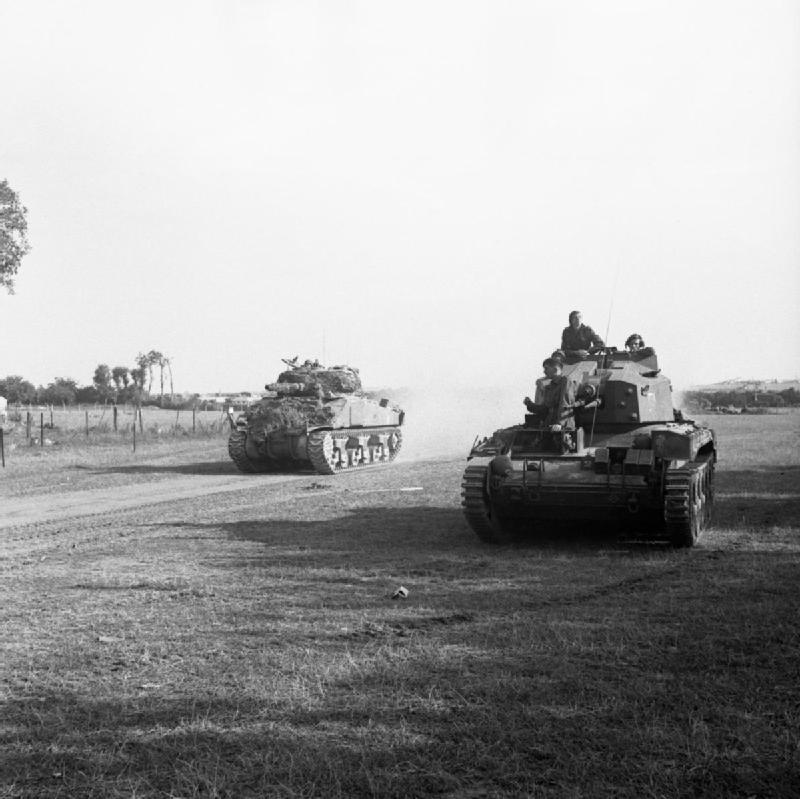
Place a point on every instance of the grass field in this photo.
(247, 644)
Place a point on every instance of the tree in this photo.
(138, 376)
(13, 235)
(17, 390)
(61, 391)
(102, 382)
(121, 376)
(144, 365)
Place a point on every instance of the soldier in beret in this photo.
(558, 398)
(579, 339)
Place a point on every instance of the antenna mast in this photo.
(605, 354)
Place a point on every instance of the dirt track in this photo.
(28, 510)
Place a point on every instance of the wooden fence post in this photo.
(28, 425)
(194, 415)
(133, 427)
(115, 417)
(2, 447)
(51, 417)
(141, 423)
(41, 429)
(87, 424)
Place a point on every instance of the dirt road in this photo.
(34, 509)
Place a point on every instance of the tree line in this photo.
(741, 399)
(117, 384)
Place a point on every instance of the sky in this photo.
(423, 190)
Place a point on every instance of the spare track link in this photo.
(329, 452)
(477, 506)
(688, 496)
(236, 449)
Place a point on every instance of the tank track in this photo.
(478, 508)
(236, 449)
(329, 454)
(688, 499)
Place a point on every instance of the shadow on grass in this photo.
(412, 532)
(419, 722)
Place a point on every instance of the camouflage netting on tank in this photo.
(338, 380)
(289, 413)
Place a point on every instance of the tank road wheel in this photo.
(321, 452)
(685, 507)
(478, 509)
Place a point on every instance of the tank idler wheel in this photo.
(479, 512)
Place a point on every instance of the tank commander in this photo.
(559, 355)
(579, 339)
(634, 343)
(558, 404)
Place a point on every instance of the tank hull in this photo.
(672, 502)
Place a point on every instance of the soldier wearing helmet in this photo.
(579, 339)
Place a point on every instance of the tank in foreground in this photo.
(631, 460)
(319, 416)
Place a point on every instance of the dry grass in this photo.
(246, 645)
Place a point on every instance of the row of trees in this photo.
(110, 384)
(123, 384)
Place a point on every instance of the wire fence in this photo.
(45, 426)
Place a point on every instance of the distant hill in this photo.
(739, 384)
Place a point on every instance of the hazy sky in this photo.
(422, 189)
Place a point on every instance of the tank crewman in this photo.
(559, 355)
(577, 338)
(634, 343)
(558, 401)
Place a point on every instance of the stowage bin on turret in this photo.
(316, 415)
(630, 458)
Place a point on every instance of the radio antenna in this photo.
(605, 353)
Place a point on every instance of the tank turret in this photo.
(319, 416)
(625, 455)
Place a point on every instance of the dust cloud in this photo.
(443, 423)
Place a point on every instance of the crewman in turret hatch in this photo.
(579, 339)
(634, 343)
(558, 404)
